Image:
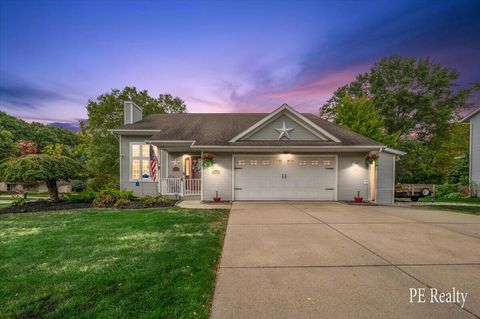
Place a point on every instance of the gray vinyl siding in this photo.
(385, 179)
(145, 187)
(218, 182)
(475, 153)
(352, 177)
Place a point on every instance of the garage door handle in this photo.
(238, 188)
(238, 167)
(329, 189)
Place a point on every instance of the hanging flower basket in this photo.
(207, 160)
(371, 158)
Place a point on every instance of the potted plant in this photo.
(207, 160)
(358, 199)
(370, 158)
(217, 199)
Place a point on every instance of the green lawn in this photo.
(4, 205)
(452, 200)
(474, 210)
(155, 263)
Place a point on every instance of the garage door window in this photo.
(241, 162)
(265, 162)
(253, 162)
(278, 162)
(315, 163)
(290, 162)
(327, 163)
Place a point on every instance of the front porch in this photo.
(179, 171)
(180, 186)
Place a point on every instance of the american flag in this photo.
(153, 164)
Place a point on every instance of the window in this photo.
(290, 162)
(253, 162)
(315, 163)
(327, 162)
(241, 162)
(302, 163)
(278, 162)
(265, 162)
(140, 160)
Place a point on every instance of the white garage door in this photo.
(293, 177)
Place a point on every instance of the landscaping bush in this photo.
(117, 194)
(122, 202)
(18, 201)
(445, 189)
(83, 197)
(103, 200)
(453, 195)
(150, 201)
(165, 200)
(78, 185)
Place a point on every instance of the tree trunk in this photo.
(52, 190)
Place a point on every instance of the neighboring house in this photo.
(63, 187)
(474, 119)
(283, 155)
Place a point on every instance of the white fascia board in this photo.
(132, 131)
(469, 116)
(356, 148)
(284, 107)
(393, 151)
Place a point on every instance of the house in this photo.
(38, 187)
(283, 155)
(474, 176)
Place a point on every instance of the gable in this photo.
(294, 131)
(285, 124)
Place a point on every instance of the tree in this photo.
(360, 116)
(459, 174)
(7, 145)
(415, 97)
(27, 147)
(106, 112)
(41, 135)
(40, 168)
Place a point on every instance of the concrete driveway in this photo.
(333, 260)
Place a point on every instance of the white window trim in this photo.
(141, 158)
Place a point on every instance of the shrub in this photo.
(122, 202)
(78, 185)
(150, 201)
(18, 201)
(446, 189)
(103, 200)
(165, 200)
(117, 194)
(453, 195)
(83, 197)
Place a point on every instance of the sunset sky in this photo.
(219, 56)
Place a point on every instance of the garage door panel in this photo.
(304, 178)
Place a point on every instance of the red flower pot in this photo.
(358, 199)
(217, 199)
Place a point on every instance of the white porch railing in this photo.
(180, 186)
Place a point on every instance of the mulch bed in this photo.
(46, 205)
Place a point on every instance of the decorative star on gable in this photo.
(175, 163)
(284, 131)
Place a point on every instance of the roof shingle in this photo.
(219, 128)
